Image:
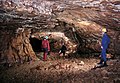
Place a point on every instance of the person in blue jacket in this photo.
(104, 45)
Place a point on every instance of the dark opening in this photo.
(36, 44)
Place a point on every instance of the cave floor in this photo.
(62, 70)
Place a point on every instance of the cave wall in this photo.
(15, 47)
(115, 42)
(89, 21)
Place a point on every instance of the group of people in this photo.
(104, 45)
(46, 48)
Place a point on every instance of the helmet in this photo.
(46, 37)
(104, 30)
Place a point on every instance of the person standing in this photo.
(104, 45)
(46, 47)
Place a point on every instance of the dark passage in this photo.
(36, 44)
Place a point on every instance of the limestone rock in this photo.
(19, 48)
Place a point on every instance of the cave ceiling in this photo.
(46, 14)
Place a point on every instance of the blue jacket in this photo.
(105, 41)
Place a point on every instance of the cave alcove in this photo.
(36, 44)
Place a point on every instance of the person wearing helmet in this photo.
(46, 47)
(104, 45)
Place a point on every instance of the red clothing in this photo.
(45, 44)
(46, 47)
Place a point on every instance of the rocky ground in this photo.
(62, 70)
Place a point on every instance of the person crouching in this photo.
(63, 50)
